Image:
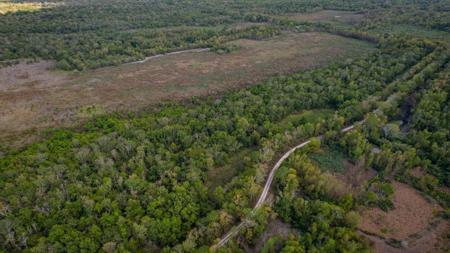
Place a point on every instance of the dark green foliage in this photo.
(430, 127)
(378, 194)
(329, 159)
(432, 15)
(272, 245)
(324, 225)
(256, 225)
(410, 134)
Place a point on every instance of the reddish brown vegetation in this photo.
(33, 97)
(412, 226)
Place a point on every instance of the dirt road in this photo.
(266, 189)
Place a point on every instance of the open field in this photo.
(6, 7)
(347, 17)
(412, 223)
(33, 97)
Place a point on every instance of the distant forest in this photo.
(91, 34)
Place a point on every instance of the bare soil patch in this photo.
(33, 97)
(413, 223)
(347, 17)
(431, 240)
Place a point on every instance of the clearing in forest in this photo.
(412, 226)
(33, 97)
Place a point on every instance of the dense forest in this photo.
(142, 182)
(90, 34)
(315, 204)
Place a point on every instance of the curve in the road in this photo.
(265, 192)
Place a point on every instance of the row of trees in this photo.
(404, 141)
(407, 142)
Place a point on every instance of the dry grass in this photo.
(25, 75)
(433, 240)
(34, 97)
(413, 222)
(15, 7)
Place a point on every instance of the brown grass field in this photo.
(413, 222)
(34, 97)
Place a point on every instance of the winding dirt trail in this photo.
(195, 50)
(265, 192)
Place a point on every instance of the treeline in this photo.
(139, 183)
(80, 51)
(431, 15)
(294, 6)
(91, 34)
(429, 19)
(84, 35)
